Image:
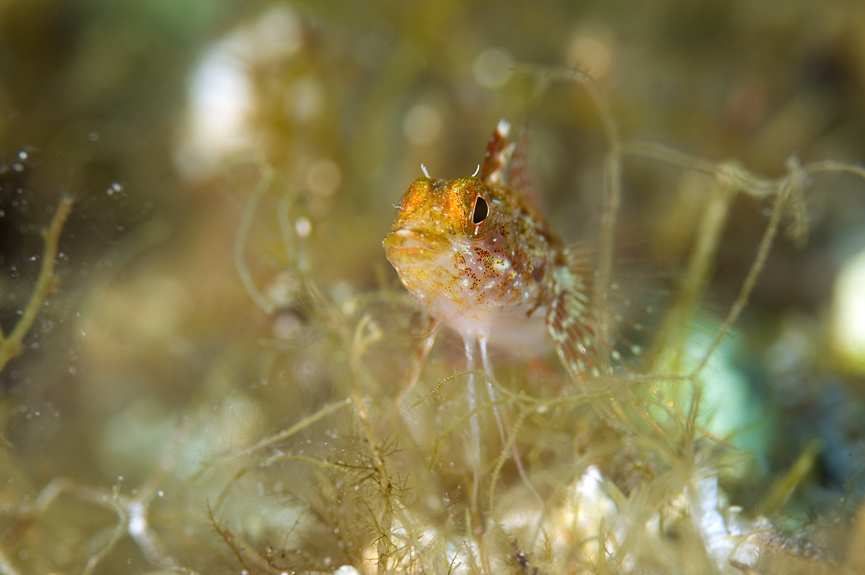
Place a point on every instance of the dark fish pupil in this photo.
(480, 211)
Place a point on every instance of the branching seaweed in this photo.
(401, 505)
(46, 283)
(316, 426)
(132, 519)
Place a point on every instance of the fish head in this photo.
(435, 217)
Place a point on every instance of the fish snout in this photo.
(406, 245)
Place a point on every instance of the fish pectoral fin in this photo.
(574, 328)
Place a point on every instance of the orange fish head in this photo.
(432, 214)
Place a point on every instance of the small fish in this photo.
(482, 260)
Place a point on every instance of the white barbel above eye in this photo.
(423, 168)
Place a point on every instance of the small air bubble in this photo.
(119, 478)
(422, 124)
(18, 167)
(492, 68)
(303, 227)
(2, 213)
(636, 349)
(72, 369)
(160, 493)
(114, 188)
(22, 155)
(93, 136)
(83, 332)
(616, 355)
(32, 258)
(323, 177)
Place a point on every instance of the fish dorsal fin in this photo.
(497, 159)
(507, 164)
(522, 176)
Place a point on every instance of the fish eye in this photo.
(480, 211)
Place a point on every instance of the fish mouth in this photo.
(407, 245)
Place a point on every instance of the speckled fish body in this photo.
(475, 278)
(482, 260)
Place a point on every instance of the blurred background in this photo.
(161, 119)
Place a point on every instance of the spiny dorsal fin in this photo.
(522, 176)
(498, 156)
(507, 164)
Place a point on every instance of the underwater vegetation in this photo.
(207, 364)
